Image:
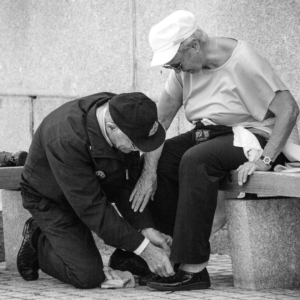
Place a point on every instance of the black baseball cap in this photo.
(136, 116)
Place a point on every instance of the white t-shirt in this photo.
(240, 90)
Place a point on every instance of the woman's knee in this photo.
(193, 156)
(173, 150)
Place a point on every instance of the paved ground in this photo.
(12, 286)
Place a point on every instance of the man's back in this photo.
(66, 125)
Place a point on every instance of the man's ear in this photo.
(110, 126)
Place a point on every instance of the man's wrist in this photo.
(149, 170)
(142, 246)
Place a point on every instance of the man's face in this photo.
(121, 141)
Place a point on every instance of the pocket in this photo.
(46, 204)
(30, 202)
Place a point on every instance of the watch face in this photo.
(267, 160)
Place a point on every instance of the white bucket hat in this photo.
(166, 36)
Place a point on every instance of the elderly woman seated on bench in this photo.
(225, 86)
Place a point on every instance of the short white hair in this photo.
(198, 35)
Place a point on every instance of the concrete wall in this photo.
(54, 51)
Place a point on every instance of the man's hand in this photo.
(158, 239)
(248, 168)
(144, 189)
(157, 261)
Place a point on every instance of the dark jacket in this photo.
(67, 151)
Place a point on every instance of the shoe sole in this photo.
(188, 287)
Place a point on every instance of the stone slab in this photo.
(66, 48)
(264, 183)
(14, 217)
(77, 47)
(265, 242)
(10, 177)
(2, 254)
(15, 123)
(42, 106)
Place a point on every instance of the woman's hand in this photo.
(158, 239)
(144, 190)
(248, 168)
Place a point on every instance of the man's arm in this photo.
(73, 171)
(286, 110)
(146, 185)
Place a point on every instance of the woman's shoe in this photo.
(144, 280)
(181, 281)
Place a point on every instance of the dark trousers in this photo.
(66, 247)
(186, 196)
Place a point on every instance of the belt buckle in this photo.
(201, 135)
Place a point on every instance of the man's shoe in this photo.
(27, 259)
(181, 281)
(128, 261)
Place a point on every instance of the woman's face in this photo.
(190, 60)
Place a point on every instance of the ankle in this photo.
(193, 268)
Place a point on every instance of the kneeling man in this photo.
(83, 157)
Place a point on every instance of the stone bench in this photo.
(13, 213)
(264, 227)
(264, 230)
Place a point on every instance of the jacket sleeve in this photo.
(120, 196)
(74, 173)
(138, 220)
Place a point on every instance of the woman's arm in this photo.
(146, 185)
(286, 110)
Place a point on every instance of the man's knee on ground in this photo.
(88, 279)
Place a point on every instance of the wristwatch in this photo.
(267, 160)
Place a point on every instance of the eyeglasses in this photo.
(174, 66)
(133, 146)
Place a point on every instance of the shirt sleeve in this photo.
(74, 173)
(174, 86)
(142, 247)
(257, 83)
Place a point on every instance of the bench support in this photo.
(14, 217)
(265, 242)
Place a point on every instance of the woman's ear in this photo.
(195, 45)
